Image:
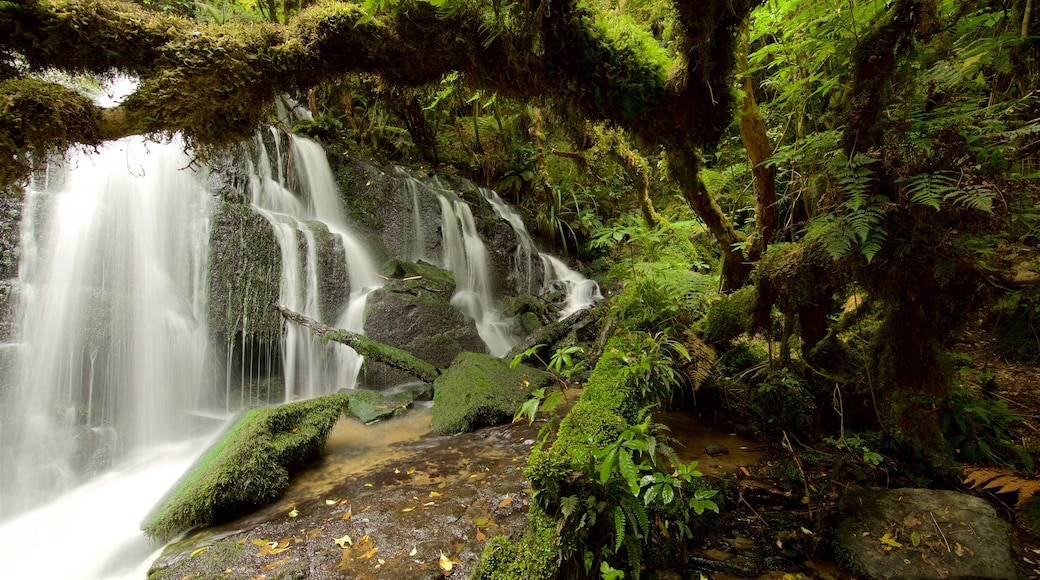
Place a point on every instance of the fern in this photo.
(930, 189)
(1001, 481)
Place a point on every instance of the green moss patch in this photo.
(367, 406)
(479, 390)
(248, 466)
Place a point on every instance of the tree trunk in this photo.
(756, 142)
(375, 350)
(683, 165)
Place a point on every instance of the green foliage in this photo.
(980, 429)
(653, 366)
(627, 480)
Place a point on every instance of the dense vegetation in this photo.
(818, 218)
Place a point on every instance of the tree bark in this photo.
(756, 143)
(375, 350)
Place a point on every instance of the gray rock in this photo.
(918, 534)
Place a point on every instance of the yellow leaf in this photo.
(889, 541)
(973, 60)
(397, 471)
(508, 500)
(429, 503)
(410, 471)
(480, 535)
(364, 539)
(274, 564)
(368, 485)
(445, 564)
(350, 512)
(295, 512)
(408, 509)
(807, 532)
(368, 554)
(435, 494)
(199, 551)
(331, 501)
(381, 561)
(344, 541)
(259, 542)
(415, 550)
(915, 538)
(745, 471)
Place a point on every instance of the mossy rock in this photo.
(248, 466)
(479, 390)
(367, 406)
(533, 556)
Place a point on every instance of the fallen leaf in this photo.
(408, 509)
(397, 471)
(889, 541)
(364, 539)
(295, 512)
(259, 542)
(508, 500)
(381, 561)
(331, 501)
(429, 503)
(368, 554)
(745, 471)
(350, 512)
(915, 538)
(415, 550)
(911, 521)
(368, 485)
(344, 541)
(480, 535)
(807, 532)
(410, 471)
(445, 564)
(274, 564)
(198, 551)
(435, 494)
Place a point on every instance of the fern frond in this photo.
(1001, 481)
(619, 527)
(930, 189)
(636, 512)
(978, 197)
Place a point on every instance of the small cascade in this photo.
(464, 253)
(294, 189)
(113, 285)
(580, 291)
(466, 256)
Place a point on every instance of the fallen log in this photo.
(366, 347)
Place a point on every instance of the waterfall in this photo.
(580, 292)
(293, 189)
(465, 254)
(113, 282)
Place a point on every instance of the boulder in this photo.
(367, 406)
(479, 390)
(412, 312)
(921, 534)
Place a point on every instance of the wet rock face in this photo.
(412, 312)
(922, 534)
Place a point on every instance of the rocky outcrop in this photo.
(479, 390)
(923, 534)
(413, 312)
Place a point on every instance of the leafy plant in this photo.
(627, 479)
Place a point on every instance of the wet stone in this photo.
(922, 534)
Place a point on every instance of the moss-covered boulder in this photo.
(479, 390)
(248, 466)
(413, 312)
(367, 406)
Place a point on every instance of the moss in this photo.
(367, 406)
(38, 117)
(248, 466)
(731, 316)
(534, 556)
(606, 407)
(245, 264)
(479, 390)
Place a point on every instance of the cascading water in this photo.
(581, 292)
(293, 189)
(464, 253)
(112, 355)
